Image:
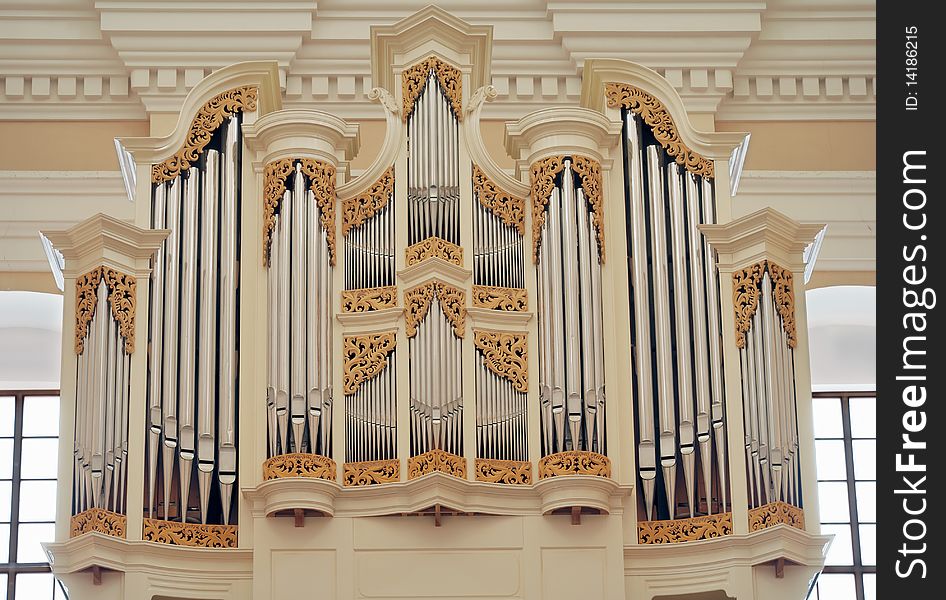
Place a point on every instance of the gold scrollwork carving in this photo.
(436, 461)
(299, 465)
(506, 355)
(322, 183)
(684, 530)
(509, 472)
(542, 176)
(357, 210)
(189, 534)
(99, 521)
(121, 299)
(501, 298)
(208, 118)
(417, 302)
(366, 299)
(414, 79)
(746, 293)
(656, 115)
(365, 358)
(575, 462)
(372, 472)
(775, 513)
(510, 209)
(434, 247)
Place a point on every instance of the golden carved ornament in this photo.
(322, 184)
(575, 462)
(542, 176)
(506, 355)
(510, 209)
(417, 302)
(509, 472)
(366, 299)
(99, 521)
(434, 247)
(357, 210)
(121, 300)
(208, 118)
(775, 513)
(684, 530)
(365, 358)
(299, 465)
(372, 472)
(414, 79)
(656, 115)
(189, 534)
(746, 294)
(501, 298)
(436, 461)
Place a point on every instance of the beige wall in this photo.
(808, 145)
(64, 145)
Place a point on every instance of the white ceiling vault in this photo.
(739, 59)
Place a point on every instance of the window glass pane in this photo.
(833, 501)
(865, 459)
(866, 501)
(3, 584)
(38, 501)
(868, 534)
(28, 549)
(830, 460)
(836, 586)
(4, 547)
(870, 586)
(41, 415)
(6, 459)
(39, 458)
(6, 489)
(6, 416)
(34, 586)
(827, 415)
(60, 593)
(841, 552)
(863, 417)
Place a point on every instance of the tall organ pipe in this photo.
(297, 312)
(155, 356)
(206, 356)
(170, 338)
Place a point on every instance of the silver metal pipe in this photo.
(122, 453)
(111, 405)
(325, 333)
(297, 311)
(773, 399)
(762, 392)
(557, 325)
(272, 315)
(156, 354)
(586, 355)
(97, 463)
(313, 324)
(570, 267)
(284, 223)
(171, 377)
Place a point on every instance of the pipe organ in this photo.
(585, 333)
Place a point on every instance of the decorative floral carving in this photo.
(775, 513)
(357, 210)
(684, 530)
(208, 118)
(372, 472)
(656, 115)
(414, 79)
(121, 299)
(434, 247)
(575, 462)
(542, 176)
(502, 204)
(436, 460)
(322, 183)
(365, 358)
(99, 521)
(189, 534)
(509, 472)
(299, 465)
(746, 293)
(506, 355)
(501, 298)
(417, 302)
(365, 299)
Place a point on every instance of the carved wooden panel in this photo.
(299, 465)
(684, 530)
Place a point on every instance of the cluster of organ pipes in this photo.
(497, 250)
(433, 188)
(299, 369)
(101, 439)
(571, 352)
(369, 251)
(370, 418)
(676, 333)
(192, 365)
(436, 384)
(768, 390)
